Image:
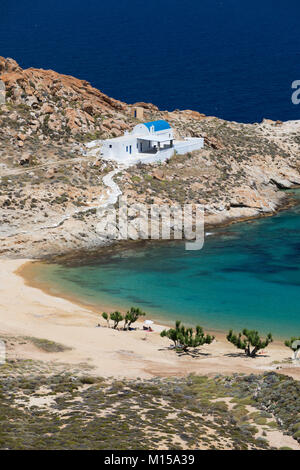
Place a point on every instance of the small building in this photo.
(137, 112)
(150, 141)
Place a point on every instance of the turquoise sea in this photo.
(247, 275)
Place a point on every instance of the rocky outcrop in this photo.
(148, 106)
(61, 104)
(238, 175)
(47, 85)
(50, 189)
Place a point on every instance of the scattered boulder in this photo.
(47, 109)
(213, 143)
(88, 107)
(158, 174)
(149, 106)
(25, 159)
(194, 114)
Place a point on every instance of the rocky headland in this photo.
(50, 188)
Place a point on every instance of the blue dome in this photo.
(160, 125)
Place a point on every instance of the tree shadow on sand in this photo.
(190, 352)
(245, 356)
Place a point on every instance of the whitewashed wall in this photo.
(188, 145)
(161, 156)
(119, 154)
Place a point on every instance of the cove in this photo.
(247, 275)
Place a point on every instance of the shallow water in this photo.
(246, 276)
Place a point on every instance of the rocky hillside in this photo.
(60, 105)
(238, 175)
(50, 189)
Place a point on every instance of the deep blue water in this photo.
(246, 276)
(230, 58)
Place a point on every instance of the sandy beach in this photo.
(29, 311)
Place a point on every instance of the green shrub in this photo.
(185, 338)
(249, 338)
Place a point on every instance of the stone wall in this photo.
(188, 145)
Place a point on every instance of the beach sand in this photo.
(30, 311)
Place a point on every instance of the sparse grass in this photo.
(86, 412)
(46, 345)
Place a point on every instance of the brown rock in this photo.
(267, 121)
(158, 174)
(149, 106)
(8, 65)
(25, 159)
(31, 101)
(88, 107)
(123, 126)
(54, 123)
(213, 143)
(47, 85)
(194, 114)
(47, 109)
(87, 117)
(72, 119)
(50, 173)
(106, 123)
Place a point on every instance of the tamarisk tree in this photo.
(116, 317)
(132, 316)
(185, 338)
(248, 339)
(105, 316)
(294, 345)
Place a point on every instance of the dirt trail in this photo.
(20, 171)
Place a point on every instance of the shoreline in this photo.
(28, 311)
(160, 321)
(105, 253)
(285, 202)
(46, 289)
(22, 272)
